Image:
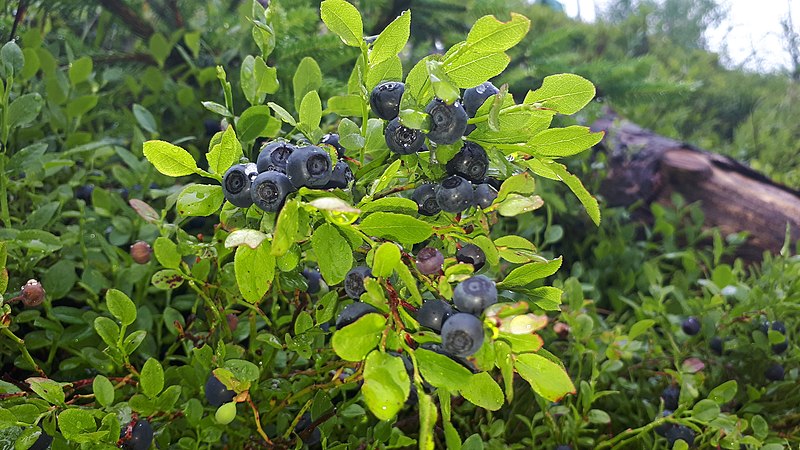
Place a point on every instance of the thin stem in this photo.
(27, 356)
(257, 418)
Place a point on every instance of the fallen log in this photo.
(646, 167)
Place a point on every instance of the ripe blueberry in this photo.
(691, 326)
(309, 166)
(563, 447)
(84, 193)
(403, 140)
(455, 194)
(434, 313)
(141, 252)
(341, 176)
(425, 196)
(448, 122)
(311, 439)
(42, 442)
(332, 139)
(236, 184)
(716, 345)
(475, 294)
(680, 432)
(270, 189)
(354, 281)
(429, 260)
(33, 294)
(485, 195)
(462, 334)
(781, 346)
(385, 99)
(470, 162)
(312, 278)
(662, 429)
(774, 372)
(475, 97)
(353, 312)
(471, 254)
(274, 155)
(216, 392)
(141, 437)
(671, 395)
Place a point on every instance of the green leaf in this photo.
(515, 249)
(107, 330)
(334, 255)
(282, 113)
(307, 78)
(355, 341)
(547, 378)
(442, 85)
(246, 236)
(257, 79)
(121, 307)
(310, 111)
(387, 257)
(561, 142)
(398, 227)
(640, 328)
(386, 384)
(225, 153)
(166, 253)
(441, 371)
(345, 105)
(11, 57)
(516, 204)
(390, 204)
(343, 19)
(48, 389)
(522, 343)
(167, 279)
(243, 370)
(427, 421)
(469, 70)
(705, 410)
(566, 93)
(200, 200)
(390, 69)
(483, 391)
(577, 188)
(74, 423)
(392, 39)
(522, 183)
(524, 275)
(598, 416)
(286, 228)
(724, 393)
(145, 118)
(388, 175)
(24, 110)
(151, 379)
(103, 390)
(474, 442)
(169, 159)
(489, 35)
(255, 269)
(505, 363)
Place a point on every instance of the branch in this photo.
(129, 17)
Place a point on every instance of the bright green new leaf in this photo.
(428, 415)
(441, 371)
(334, 255)
(200, 200)
(561, 142)
(386, 384)
(528, 273)
(577, 188)
(51, 391)
(522, 183)
(345, 105)
(167, 253)
(310, 111)
(469, 70)
(566, 93)
(547, 378)
(121, 306)
(103, 390)
(483, 391)
(398, 227)
(387, 257)
(151, 378)
(343, 19)
(489, 35)
(724, 392)
(255, 269)
(516, 204)
(392, 39)
(169, 159)
(355, 341)
(107, 330)
(282, 114)
(389, 69)
(705, 410)
(307, 78)
(75, 422)
(245, 236)
(286, 228)
(254, 122)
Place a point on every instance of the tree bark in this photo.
(645, 167)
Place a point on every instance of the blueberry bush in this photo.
(372, 266)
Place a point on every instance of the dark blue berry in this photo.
(662, 429)
(563, 447)
(311, 439)
(716, 345)
(216, 392)
(485, 195)
(448, 122)
(680, 432)
(691, 326)
(774, 372)
(354, 281)
(353, 312)
(780, 347)
(671, 395)
(471, 162)
(141, 437)
(274, 155)
(309, 166)
(84, 192)
(236, 184)
(332, 139)
(475, 97)
(475, 294)
(385, 99)
(471, 254)
(403, 140)
(429, 260)
(462, 334)
(312, 278)
(455, 194)
(269, 190)
(425, 197)
(341, 176)
(779, 327)
(433, 314)
(42, 442)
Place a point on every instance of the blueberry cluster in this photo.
(466, 184)
(774, 371)
(354, 287)
(282, 168)
(673, 432)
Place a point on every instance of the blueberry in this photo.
(236, 184)
(354, 281)
(454, 194)
(211, 127)
(216, 392)
(764, 326)
(273, 156)
(448, 122)
(341, 176)
(485, 195)
(429, 260)
(353, 312)
(563, 447)
(774, 372)
(671, 395)
(433, 314)
(42, 442)
(462, 334)
(84, 192)
(716, 345)
(680, 432)
(270, 189)
(471, 162)
(332, 139)
(141, 437)
(311, 439)
(782, 346)
(779, 327)
(475, 294)
(312, 278)
(691, 326)
(662, 429)
(475, 97)
(385, 99)
(403, 140)
(425, 196)
(309, 166)
(471, 254)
